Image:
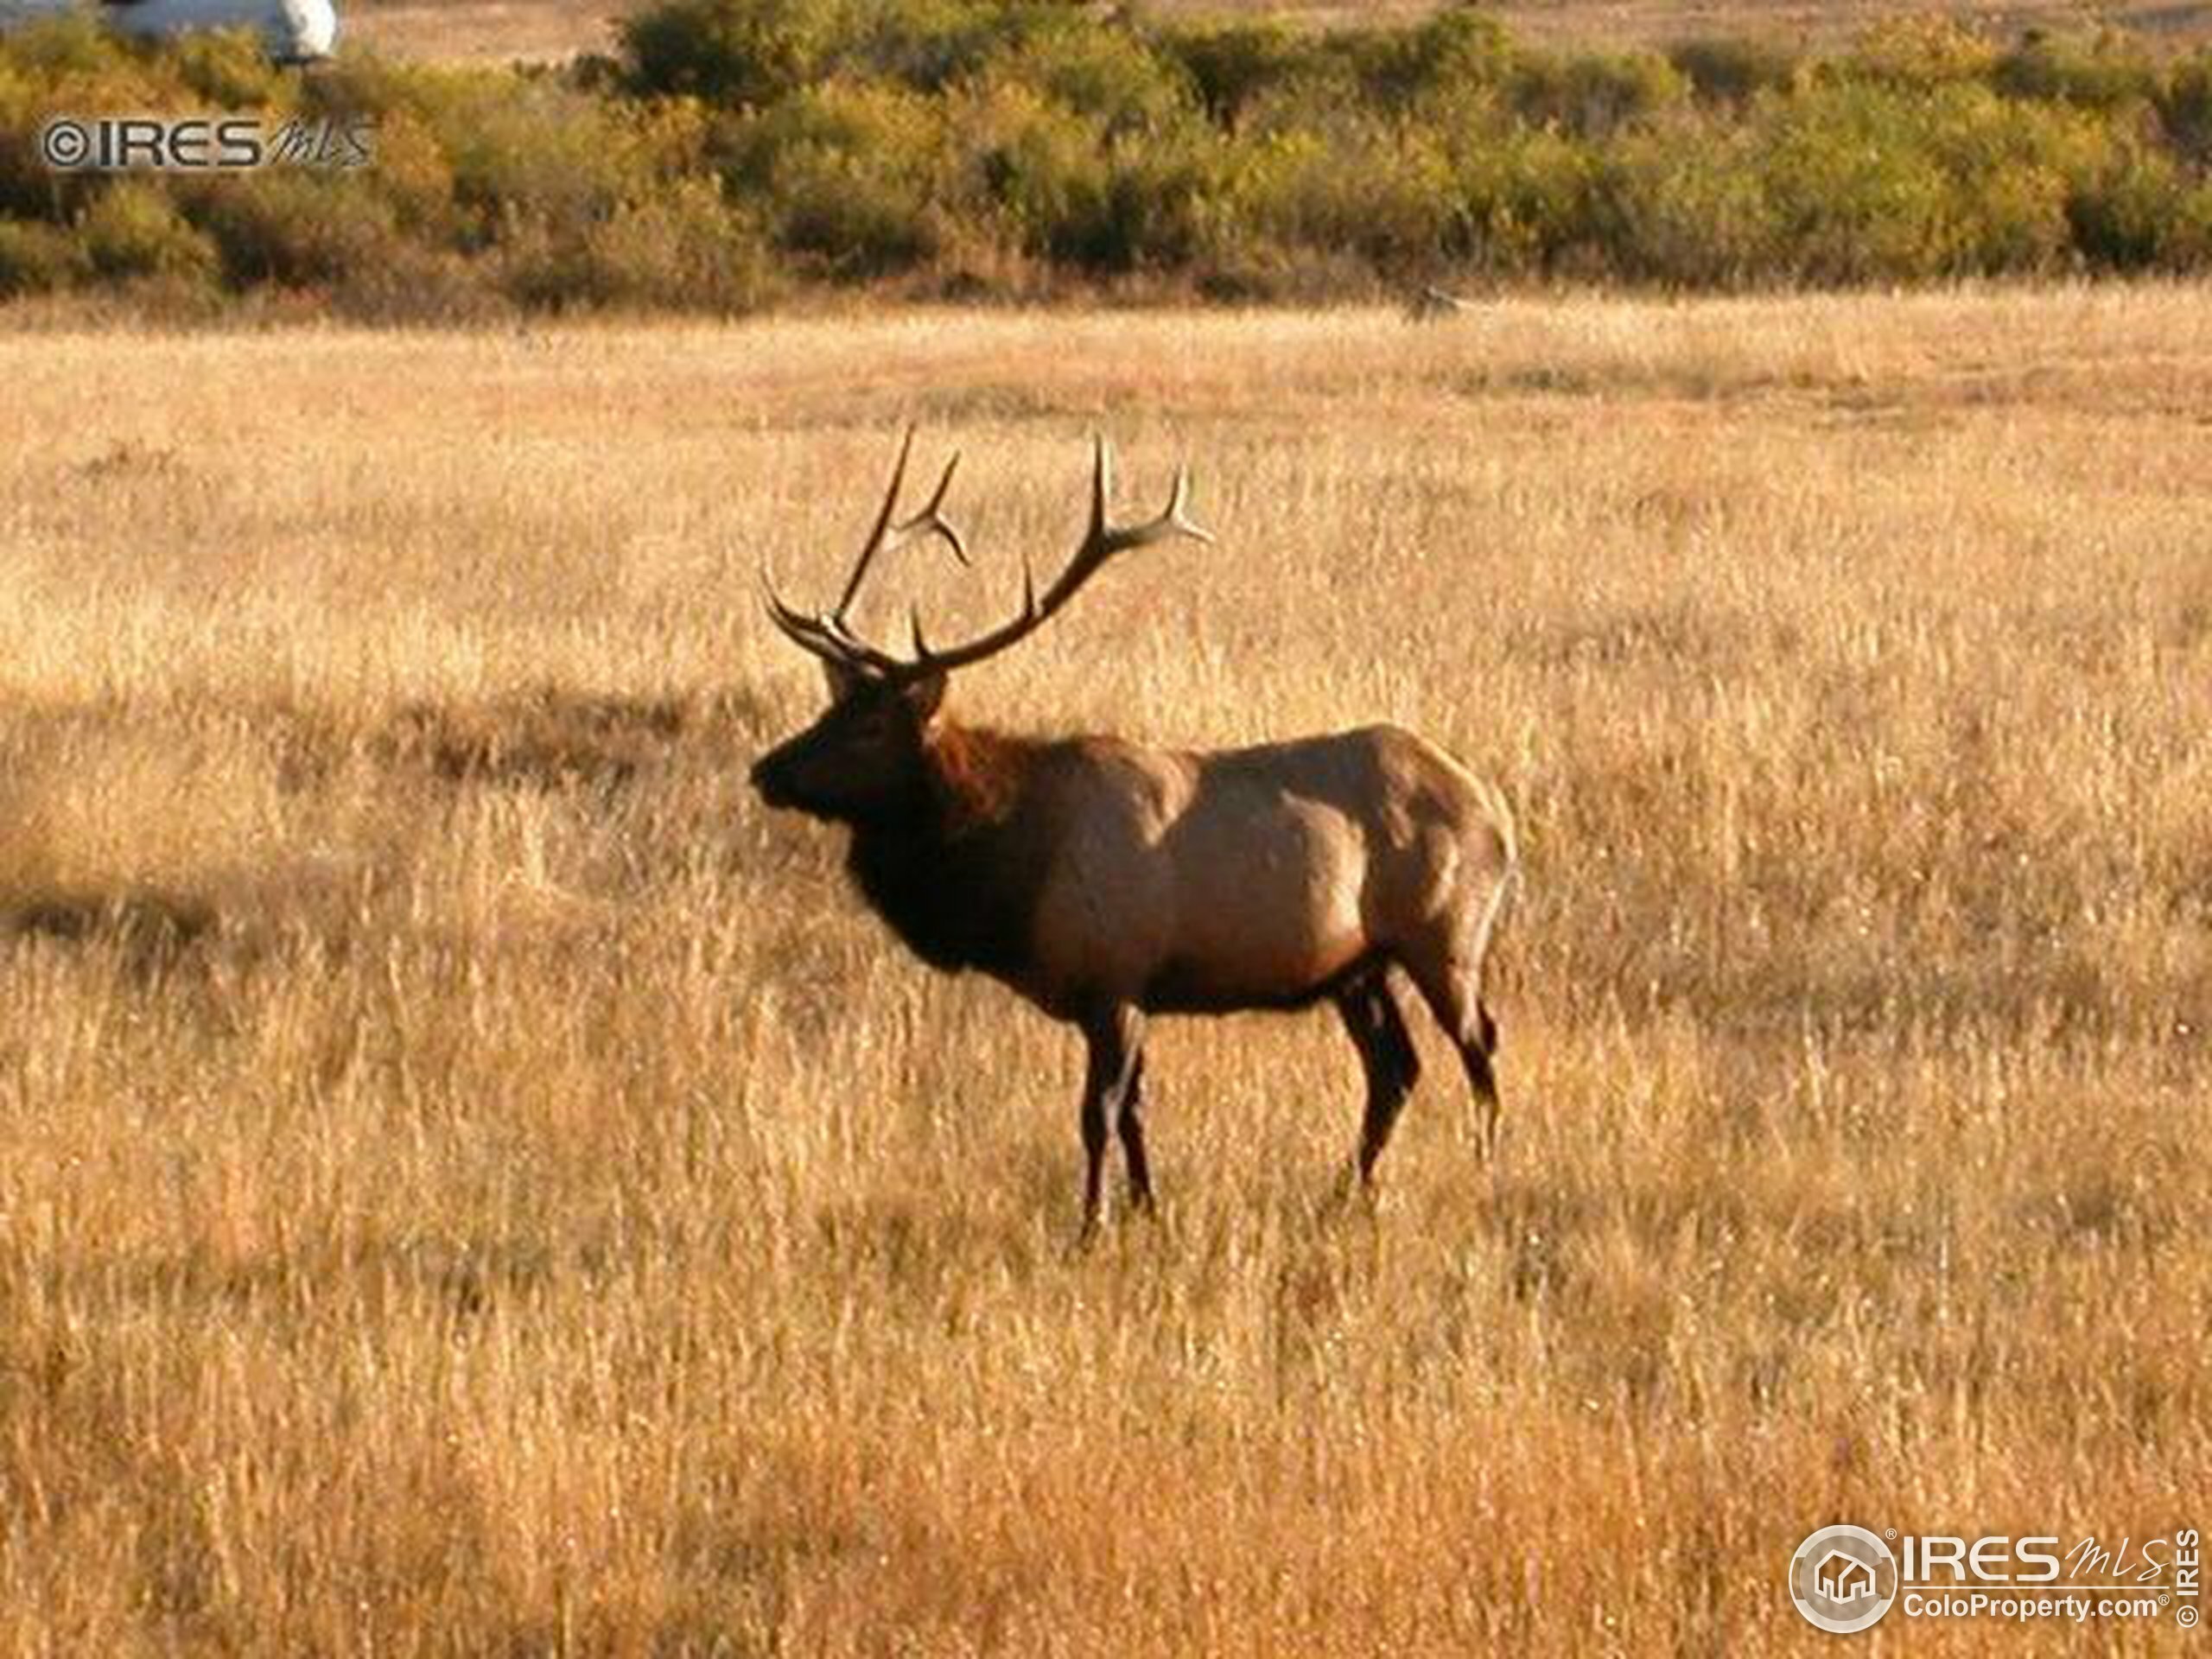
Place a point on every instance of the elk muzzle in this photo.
(772, 777)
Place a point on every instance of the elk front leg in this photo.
(1113, 1064)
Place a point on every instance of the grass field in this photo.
(560, 28)
(472, 1182)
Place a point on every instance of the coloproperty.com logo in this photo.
(1846, 1579)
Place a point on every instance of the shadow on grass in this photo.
(147, 930)
(548, 738)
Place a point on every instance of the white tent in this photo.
(293, 30)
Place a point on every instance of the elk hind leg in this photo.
(1131, 1128)
(1371, 1015)
(1451, 984)
(1114, 1060)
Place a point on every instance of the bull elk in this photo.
(1105, 880)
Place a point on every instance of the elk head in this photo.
(869, 749)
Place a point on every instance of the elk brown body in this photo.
(1106, 880)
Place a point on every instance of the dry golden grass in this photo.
(471, 1182)
(538, 29)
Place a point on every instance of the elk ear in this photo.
(842, 678)
(924, 697)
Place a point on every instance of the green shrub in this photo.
(68, 46)
(1732, 71)
(67, 66)
(1445, 54)
(1524, 200)
(846, 172)
(734, 52)
(1081, 147)
(1375, 190)
(1855, 196)
(293, 227)
(367, 85)
(2185, 106)
(535, 150)
(2103, 73)
(414, 175)
(27, 189)
(1688, 207)
(2134, 214)
(417, 284)
(1035, 171)
(1105, 74)
(1317, 94)
(929, 45)
(38, 259)
(2185, 239)
(229, 67)
(1590, 94)
(1101, 206)
(1871, 182)
(684, 248)
(131, 229)
(2012, 166)
(1915, 54)
(1230, 65)
(1159, 187)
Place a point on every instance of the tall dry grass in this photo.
(470, 1182)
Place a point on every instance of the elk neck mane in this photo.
(977, 774)
(954, 865)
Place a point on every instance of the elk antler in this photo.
(829, 637)
(887, 535)
(1100, 542)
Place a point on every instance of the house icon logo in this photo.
(1843, 1578)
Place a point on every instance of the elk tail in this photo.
(1502, 895)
